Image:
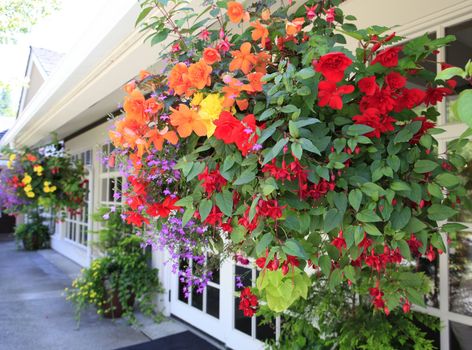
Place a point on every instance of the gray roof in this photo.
(48, 59)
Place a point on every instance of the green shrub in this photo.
(34, 235)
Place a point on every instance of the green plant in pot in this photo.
(118, 283)
(34, 234)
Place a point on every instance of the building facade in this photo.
(77, 96)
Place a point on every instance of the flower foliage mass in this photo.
(265, 137)
(47, 177)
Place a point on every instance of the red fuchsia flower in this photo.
(204, 35)
(414, 245)
(373, 261)
(395, 80)
(272, 265)
(365, 243)
(291, 262)
(430, 254)
(212, 181)
(409, 99)
(330, 14)
(435, 95)
(339, 242)
(248, 303)
(368, 85)
(425, 126)
(270, 208)
(333, 65)
(311, 12)
(371, 117)
(329, 94)
(406, 306)
(388, 57)
(377, 300)
(175, 48)
(277, 173)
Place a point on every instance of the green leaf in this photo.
(293, 247)
(224, 201)
(297, 150)
(462, 107)
(246, 176)
(205, 208)
(305, 73)
(266, 114)
(404, 249)
(266, 133)
(400, 218)
(307, 145)
(449, 73)
(372, 230)
(252, 209)
(160, 36)
(238, 234)
(289, 109)
(196, 170)
(358, 129)
(424, 166)
(440, 212)
(332, 220)
(355, 199)
(368, 215)
(415, 225)
(350, 272)
(185, 202)
(447, 180)
(305, 122)
(435, 191)
(263, 243)
(335, 278)
(143, 15)
(275, 151)
(325, 264)
(453, 227)
(404, 135)
(187, 215)
(398, 186)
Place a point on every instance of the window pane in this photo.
(457, 54)
(460, 274)
(465, 209)
(104, 190)
(213, 302)
(197, 299)
(460, 336)
(245, 274)
(265, 331)
(431, 269)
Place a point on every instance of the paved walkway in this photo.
(35, 315)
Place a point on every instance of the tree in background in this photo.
(18, 16)
(5, 102)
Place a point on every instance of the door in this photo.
(216, 312)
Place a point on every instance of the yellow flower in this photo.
(30, 194)
(11, 160)
(210, 110)
(197, 99)
(26, 179)
(38, 169)
(48, 188)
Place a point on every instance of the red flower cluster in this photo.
(229, 129)
(274, 264)
(212, 181)
(265, 208)
(248, 303)
(332, 67)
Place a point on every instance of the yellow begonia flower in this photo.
(210, 110)
(26, 179)
(28, 188)
(197, 99)
(38, 169)
(12, 157)
(30, 194)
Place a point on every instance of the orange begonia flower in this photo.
(134, 106)
(294, 27)
(187, 120)
(232, 90)
(31, 158)
(235, 11)
(262, 59)
(178, 80)
(199, 74)
(255, 83)
(243, 59)
(260, 32)
(143, 74)
(211, 55)
(242, 104)
(265, 14)
(130, 87)
(157, 137)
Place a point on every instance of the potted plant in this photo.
(120, 281)
(34, 234)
